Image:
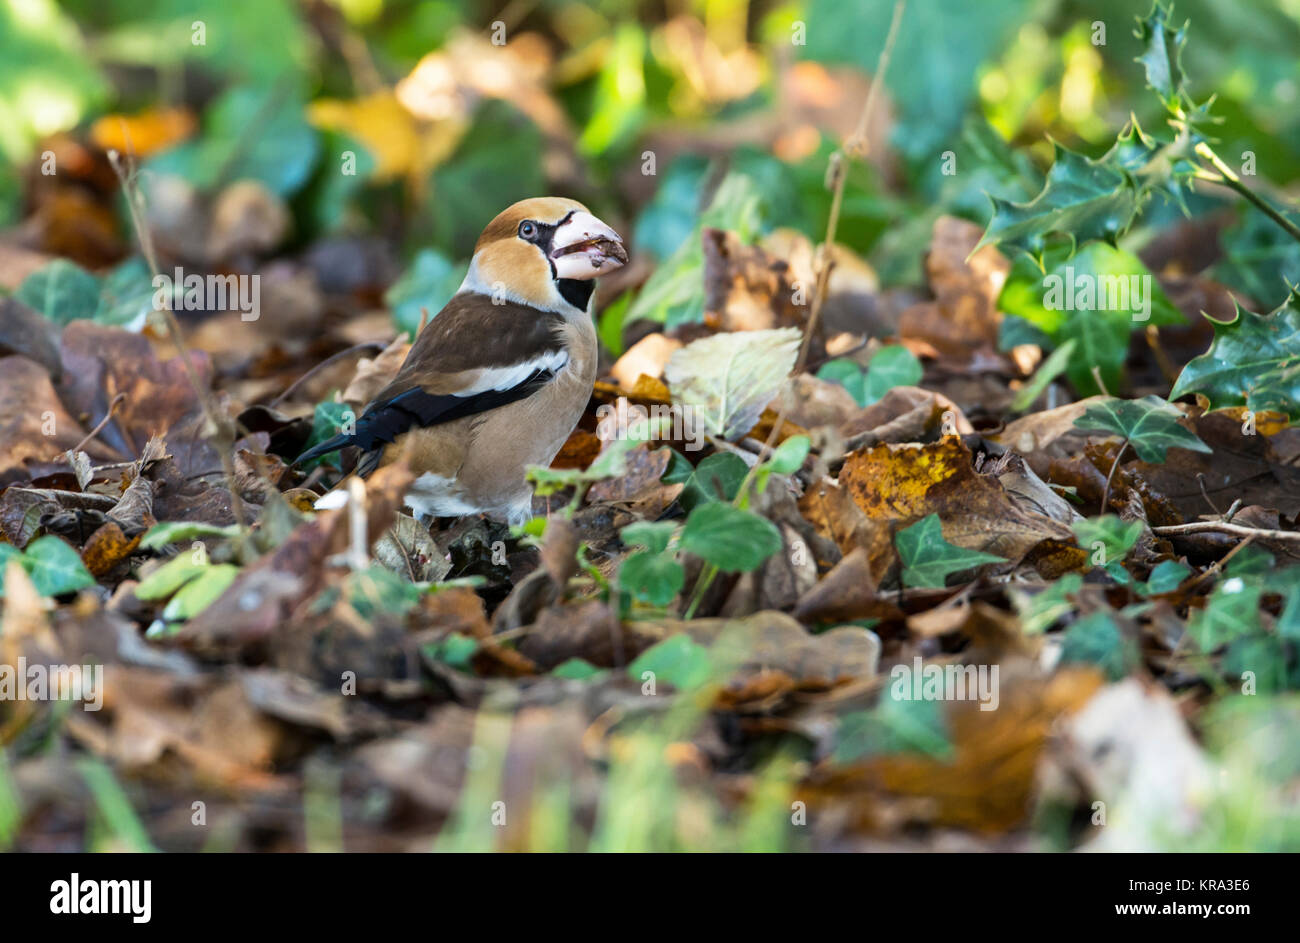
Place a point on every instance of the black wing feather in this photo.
(384, 421)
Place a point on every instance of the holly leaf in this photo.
(1082, 200)
(1162, 54)
(1253, 361)
(733, 540)
(1149, 424)
(730, 378)
(928, 559)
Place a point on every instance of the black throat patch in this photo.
(575, 291)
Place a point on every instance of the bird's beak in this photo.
(584, 247)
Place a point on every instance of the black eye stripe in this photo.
(543, 233)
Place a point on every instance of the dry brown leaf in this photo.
(900, 484)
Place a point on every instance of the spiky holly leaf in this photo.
(1254, 361)
(1162, 53)
(1149, 424)
(928, 559)
(1082, 200)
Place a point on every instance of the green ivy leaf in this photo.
(328, 420)
(377, 590)
(1231, 612)
(55, 567)
(1097, 640)
(788, 457)
(1116, 537)
(889, 367)
(895, 725)
(1262, 655)
(928, 559)
(454, 650)
(733, 540)
(653, 535)
(126, 295)
(1150, 424)
(848, 375)
(716, 478)
(1253, 361)
(62, 291)
(169, 577)
(200, 592)
(1095, 297)
(1041, 610)
(678, 660)
(654, 578)
(172, 532)
(674, 293)
(577, 669)
(1166, 577)
(610, 463)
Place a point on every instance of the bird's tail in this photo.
(324, 448)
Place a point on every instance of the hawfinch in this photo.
(497, 379)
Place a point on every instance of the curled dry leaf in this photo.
(900, 484)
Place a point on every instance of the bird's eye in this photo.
(528, 229)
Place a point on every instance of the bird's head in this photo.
(544, 252)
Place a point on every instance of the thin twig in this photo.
(1101, 385)
(1226, 527)
(222, 432)
(1193, 581)
(858, 144)
(1105, 493)
(1229, 179)
(118, 400)
(1200, 480)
